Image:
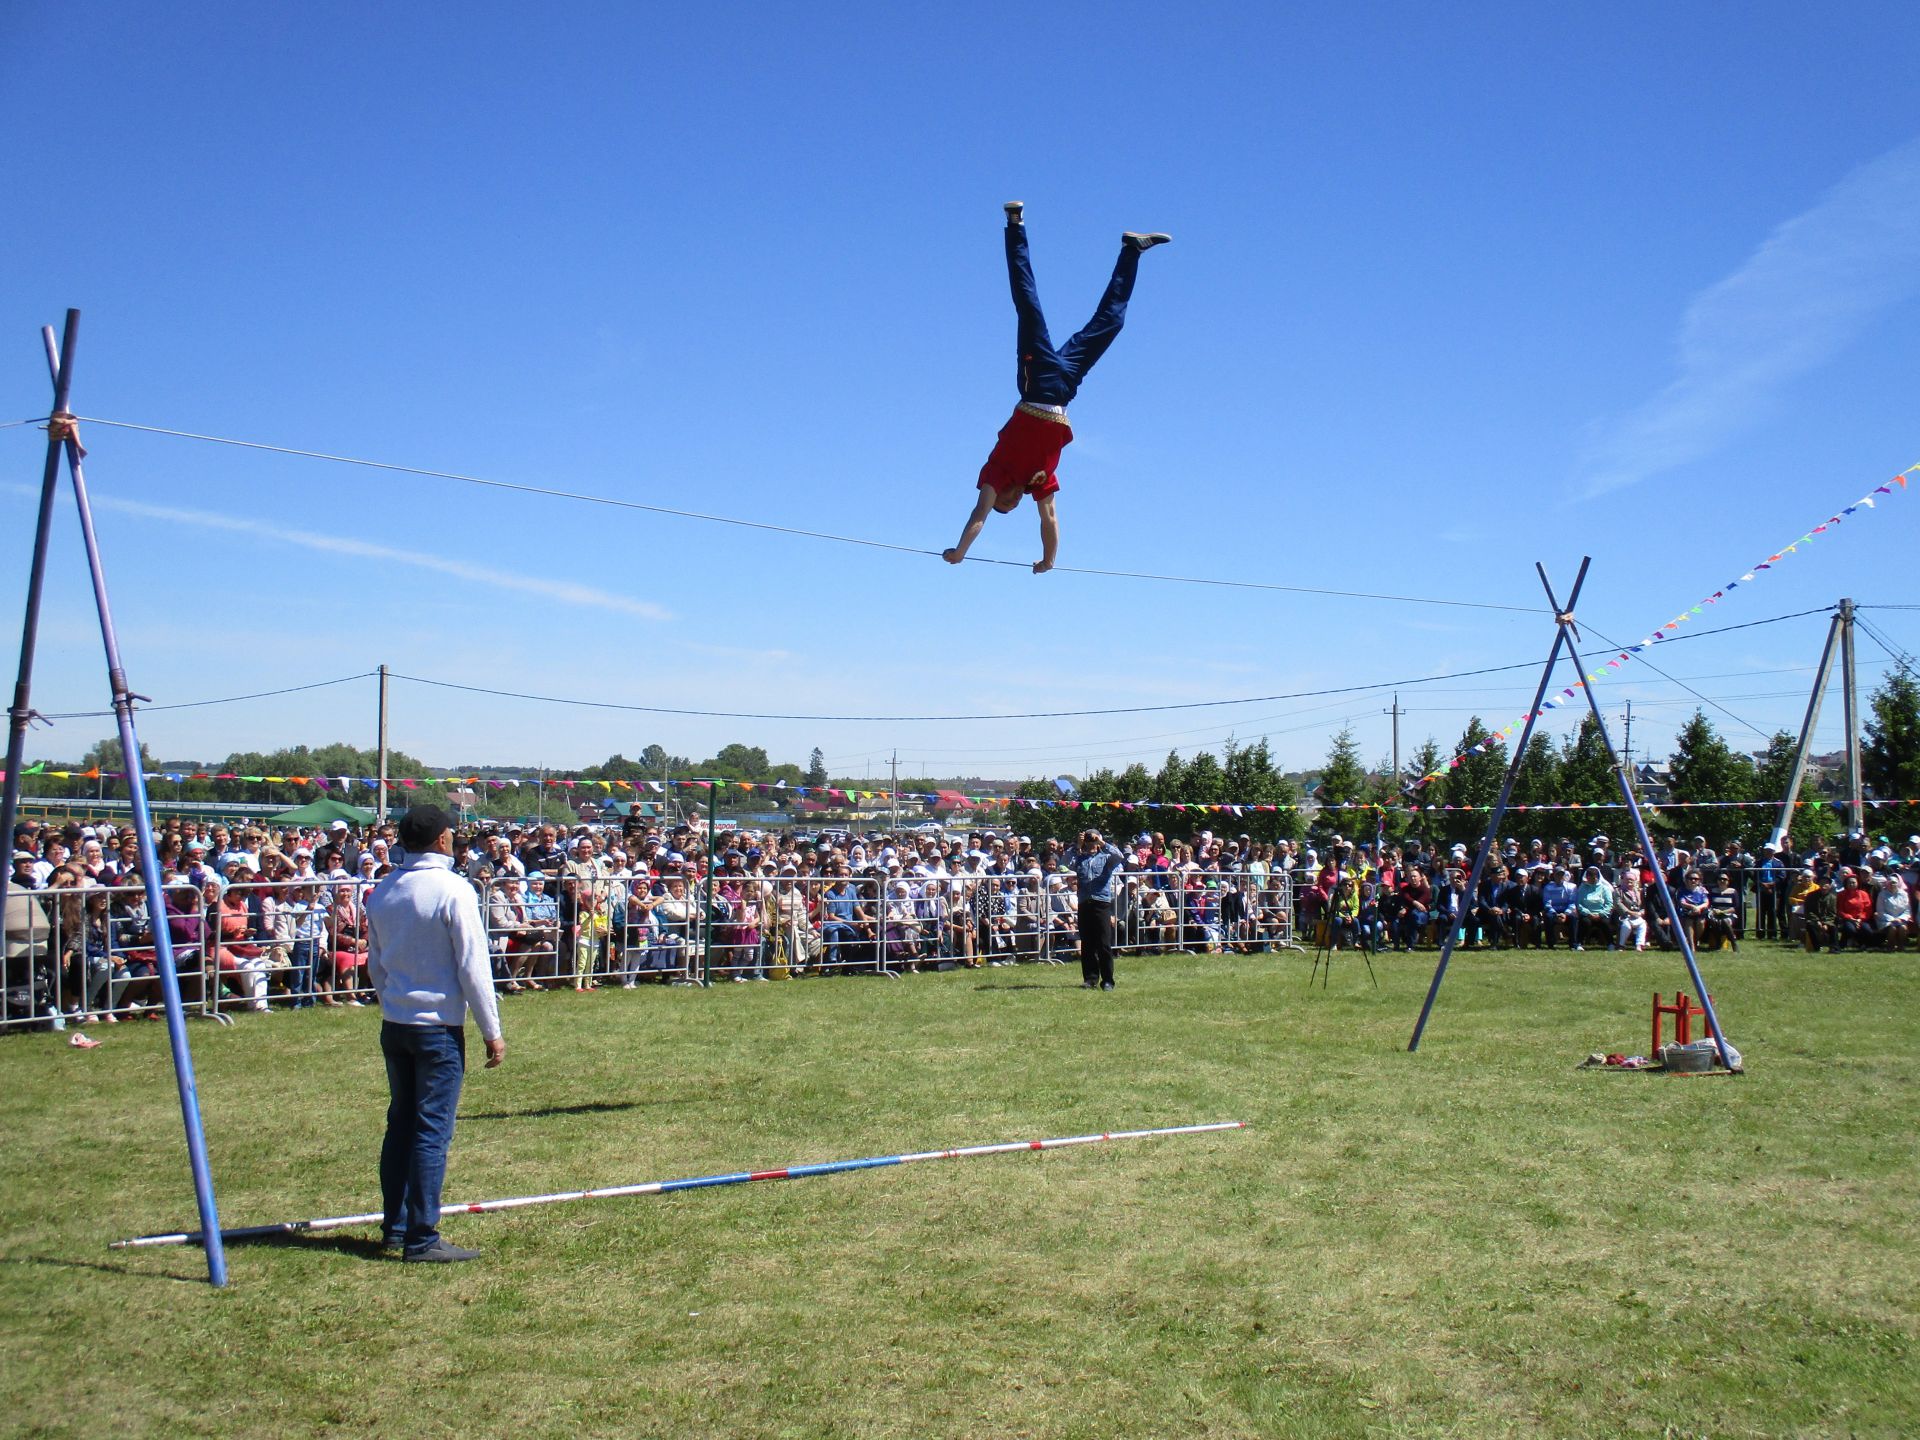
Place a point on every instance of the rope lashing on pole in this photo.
(666, 1187)
(63, 426)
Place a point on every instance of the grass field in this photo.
(1475, 1240)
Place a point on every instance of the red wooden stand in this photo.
(1683, 1011)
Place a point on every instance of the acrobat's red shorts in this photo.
(1029, 446)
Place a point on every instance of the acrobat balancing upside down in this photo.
(1028, 451)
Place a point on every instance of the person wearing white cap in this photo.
(347, 850)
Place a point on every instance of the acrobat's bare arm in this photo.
(976, 522)
(1049, 534)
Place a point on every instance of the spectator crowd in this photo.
(260, 917)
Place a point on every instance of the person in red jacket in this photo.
(1854, 906)
(1027, 453)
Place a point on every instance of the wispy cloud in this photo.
(1814, 284)
(564, 591)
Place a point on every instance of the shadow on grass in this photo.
(361, 1247)
(1032, 985)
(585, 1107)
(105, 1267)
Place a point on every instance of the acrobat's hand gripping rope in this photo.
(661, 1187)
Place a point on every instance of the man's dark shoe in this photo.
(1088, 985)
(1106, 984)
(1016, 212)
(439, 1253)
(1145, 242)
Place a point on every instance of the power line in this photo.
(904, 719)
(1880, 638)
(224, 700)
(1748, 625)
(586, 498)
(1704, 699)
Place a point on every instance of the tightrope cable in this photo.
(587, 498)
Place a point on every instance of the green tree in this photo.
(1043, 821)
(1705, 767)
(1586, 774)
(1808, 823)
(1538, 779)
(1170, 785)
(1342, 779)
(106, 755)
(737, 762)
(1890, 754)
(816, 769)
(1474, 781)
(1425, 823)
(618, 767)
(1250, 779)
(1133, 783)
(326, 760)
(1206, 782)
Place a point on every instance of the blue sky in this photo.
(1452, 289)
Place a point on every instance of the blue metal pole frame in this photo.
(1659, 876)
(1506, 790)
(21, 714)
(60, 361)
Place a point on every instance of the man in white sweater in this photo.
(427, 959)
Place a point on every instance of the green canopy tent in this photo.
(323, 811)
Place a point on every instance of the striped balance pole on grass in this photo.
(698, 1182)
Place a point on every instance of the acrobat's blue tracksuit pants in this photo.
(1048, 376)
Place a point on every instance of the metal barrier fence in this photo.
(76, 952)
(87, 953)
(599, 930)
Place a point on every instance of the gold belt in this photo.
(1041, 413)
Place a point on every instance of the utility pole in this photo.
(380, 795)
(893, 809)
(1839, 642)
(1626, 748)
(1850, 698)
(1396, 712)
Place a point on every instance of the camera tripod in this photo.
(1323, 951)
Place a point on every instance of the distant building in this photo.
(1653, 782)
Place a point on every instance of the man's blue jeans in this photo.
(1412, 922)
(1048, 376)
(425, 1065)
(837, 933)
